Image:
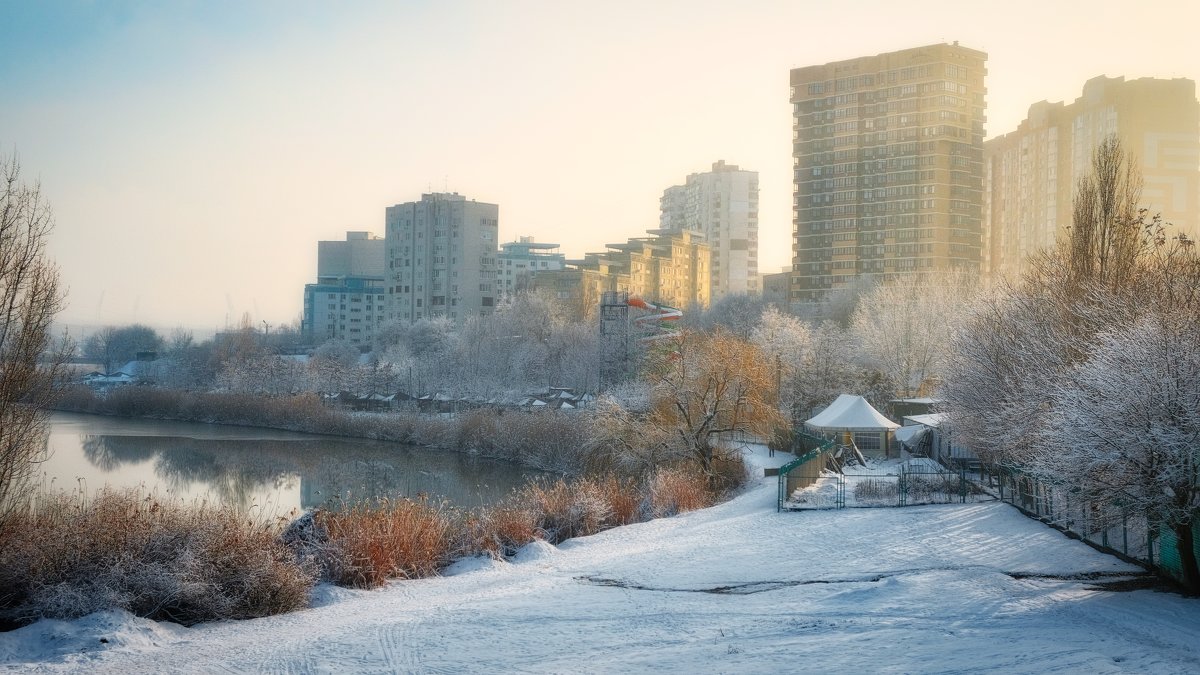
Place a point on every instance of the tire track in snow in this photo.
(750, 587)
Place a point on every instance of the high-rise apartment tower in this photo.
(888, 159)
(722, 204)
(441, 258)
(1031, 173)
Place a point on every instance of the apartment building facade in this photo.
(668, 267)
(888, 167)
(1031, 172)
(347, 301)
(721, 204)
(520, 261)
(441, 258)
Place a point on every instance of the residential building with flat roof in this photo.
(519, 261)
(347, 301)
(441, 258)
(668, 267)
(888, 167)
(1031, 172)
(721, 204)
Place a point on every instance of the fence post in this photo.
(1125, 531)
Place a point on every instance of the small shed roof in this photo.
(850, 413)
(932, 420)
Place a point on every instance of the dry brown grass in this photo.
(403, 538)
(624, 496)
(501, 530)
(675, 491)
(556, 511)
(163, 559)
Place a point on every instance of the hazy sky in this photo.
(195, 152)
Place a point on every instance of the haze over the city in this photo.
(195, 152)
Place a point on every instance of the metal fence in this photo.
(812, 457)
(1103, 524)
(804, 483)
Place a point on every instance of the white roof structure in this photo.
(850, 413)
(932, 420)
(911, 435)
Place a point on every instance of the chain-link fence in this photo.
(1102, 523)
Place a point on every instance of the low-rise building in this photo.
(347, 301)
(519, 261)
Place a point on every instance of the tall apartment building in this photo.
(722, 204)
(1031, 173)
(668, 267)
(519, 261)
(347, 302)
(441, 258)
(888, 159)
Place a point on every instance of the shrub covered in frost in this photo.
(66, 557)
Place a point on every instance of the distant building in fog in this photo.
(888, 159)
(668, 267)
(441, 258)
(347, 302)
(775, 287)
(519, 261)
(1031, 172)
(360, 255)
(721, 204)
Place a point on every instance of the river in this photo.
(274, 472)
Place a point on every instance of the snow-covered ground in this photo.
(736, 588)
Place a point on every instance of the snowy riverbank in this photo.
(734, 588)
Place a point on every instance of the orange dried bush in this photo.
(624, 496)
(367, 545)
(501, 530)
(675, 491)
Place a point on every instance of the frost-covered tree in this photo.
(736, 315)
(1019, 340)
(787, 341)
(331, 366)
(1085, 372)
(905, 326)
(116, 346)
(827, 369)
(1125, 425)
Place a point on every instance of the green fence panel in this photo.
(1168, 550)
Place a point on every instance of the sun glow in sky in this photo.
(194, 152)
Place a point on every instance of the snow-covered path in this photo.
(736, 588)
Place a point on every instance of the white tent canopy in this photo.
(850, 413)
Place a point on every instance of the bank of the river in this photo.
(546, 440)
(275, 471)
(735, 588)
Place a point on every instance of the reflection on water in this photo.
(250, 467)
